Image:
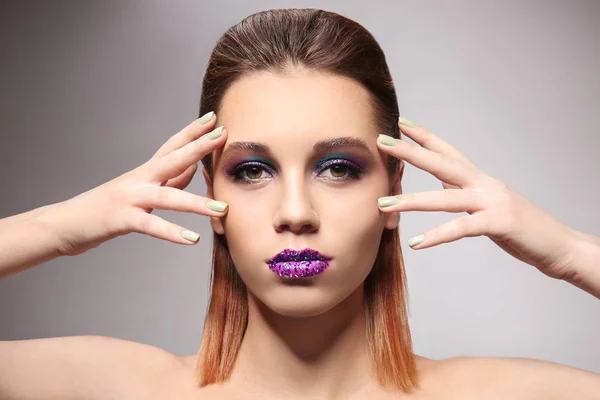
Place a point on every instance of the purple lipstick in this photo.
(304, 263)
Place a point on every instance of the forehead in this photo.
(311, 106)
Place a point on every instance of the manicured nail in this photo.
(215, 133)
(412, 242)
(216, 205)
(407, 122)
(387, 201)
(191, 236)
(206, 117)
(387, 140)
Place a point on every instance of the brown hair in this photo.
(281, 40)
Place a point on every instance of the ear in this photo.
(393, 218)
(215, 222)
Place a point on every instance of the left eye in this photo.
(342, 169)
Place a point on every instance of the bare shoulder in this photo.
(515, 378)
(188, 361)
(118, 354)
(137, 366)
(82, 367)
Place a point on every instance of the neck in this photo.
(323, 356)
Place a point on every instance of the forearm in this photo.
(586, 263)
(27, 240)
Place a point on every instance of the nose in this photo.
(295, 213)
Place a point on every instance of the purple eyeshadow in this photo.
(356, 166)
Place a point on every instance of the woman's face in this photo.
(295, 195)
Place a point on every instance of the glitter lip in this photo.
(304, 263)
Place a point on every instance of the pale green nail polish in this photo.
(387, 201)
(416, 240)
(387, 140)
(407, 122)
(216, 205)
(215, 133)
(206, 117)
(191, 236)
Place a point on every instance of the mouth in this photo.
(290, 263)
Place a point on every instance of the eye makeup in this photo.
(242, 164)
(354, 165)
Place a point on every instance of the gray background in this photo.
(90, 90)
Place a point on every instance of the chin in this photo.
(294, 311)
(296, 302)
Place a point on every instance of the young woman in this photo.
(304, 194)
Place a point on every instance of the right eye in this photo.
(249, 172)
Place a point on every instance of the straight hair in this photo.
(284, 40)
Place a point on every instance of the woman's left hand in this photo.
(511, 221)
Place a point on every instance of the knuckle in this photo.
(122, 223)
(145, 167)
(462, 224)
(201, 143)
(144, 223)
(195, 203)
(190, 148)
(408, 197)
(426, 137)
(161, 195)
(185, 200)
(448, 165)
(452, 161)
(498, 185)
(506, 219)
(118, 194)
(504, 199)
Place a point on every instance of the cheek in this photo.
(357, 227)
(247, 212)
(357, 224)
(356, 210)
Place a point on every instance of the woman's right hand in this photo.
(124, 204)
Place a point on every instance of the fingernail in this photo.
(215, 133)
(387, 140)
(191, 236)
(412, 242)
(216, 205)
(387, 201)
(407, 122)
(206, 117)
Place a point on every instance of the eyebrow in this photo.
(319, 147)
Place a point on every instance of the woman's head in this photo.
(314, 88)
(296, 196)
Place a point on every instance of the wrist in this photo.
(27, 240)
(585, 262)
(48, 222)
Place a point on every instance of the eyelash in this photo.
(354, 172)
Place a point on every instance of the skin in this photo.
(313, 329)
(282, 355)
(314, 332)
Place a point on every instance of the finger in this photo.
(159, 228)
(167, 198)
(442, 166)
(188, 134)
(448, 200)
(466, 226)
(183, 180)
(176, 162)
(430, 141)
